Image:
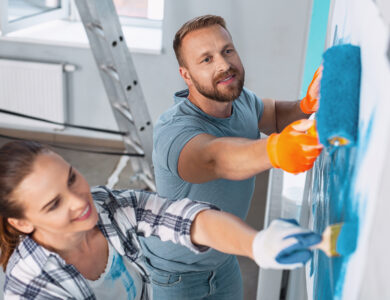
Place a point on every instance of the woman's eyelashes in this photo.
(55, 204)
(72, 178)
(57, 201)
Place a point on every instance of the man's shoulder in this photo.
(247, 95)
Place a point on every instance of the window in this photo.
(144, 13)
(20, 9)
(149, 9)
(18, 14)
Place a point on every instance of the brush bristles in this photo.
(334, 234)
(329, 240)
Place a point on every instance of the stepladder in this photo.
(121, 84)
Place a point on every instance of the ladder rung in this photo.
(110, 70)
(134, 145)
(124, 112)
(96, 28)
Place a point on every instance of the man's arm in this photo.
(278, 114)
(206, 157)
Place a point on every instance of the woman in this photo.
(61, 240)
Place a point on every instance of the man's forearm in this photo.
(239, 158)
(223, 232)
(287, 112)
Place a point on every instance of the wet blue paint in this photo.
(334, 200)
(118, 271)
(331, 204)
(347, 239)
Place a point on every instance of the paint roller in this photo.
(338, 113)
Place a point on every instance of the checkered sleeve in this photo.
(168, 220)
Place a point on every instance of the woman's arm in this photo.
(223, 232)
(198, 225)
(283, 245)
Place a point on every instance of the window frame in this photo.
(7, 27)
(124, 21)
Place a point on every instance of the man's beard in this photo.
(217, 95)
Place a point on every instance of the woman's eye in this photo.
(207, 59)
(72, 179)
(55, 205)
(228, 51)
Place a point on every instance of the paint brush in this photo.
(338, 239)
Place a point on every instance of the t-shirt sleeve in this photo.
(170, 141)
(259, 107)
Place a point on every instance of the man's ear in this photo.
(22, 225)
(185, 75)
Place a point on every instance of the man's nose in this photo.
(222, 64)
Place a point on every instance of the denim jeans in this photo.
(223, 283)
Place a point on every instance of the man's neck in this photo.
(211, 107)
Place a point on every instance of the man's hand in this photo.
(310, 103)
(283, 245)
(296, 148)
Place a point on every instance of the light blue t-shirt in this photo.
(173, 130)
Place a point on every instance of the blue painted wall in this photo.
(316, 41)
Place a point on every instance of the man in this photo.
(207, 147)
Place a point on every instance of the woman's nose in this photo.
(77, 202)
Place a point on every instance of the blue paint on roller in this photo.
(338, 114)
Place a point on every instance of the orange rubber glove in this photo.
(310, 103)
(295, 149)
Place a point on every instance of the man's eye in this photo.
(228, 51)
(207, 59)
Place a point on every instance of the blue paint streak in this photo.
(332, 203)
(334, 200)
(119, 271)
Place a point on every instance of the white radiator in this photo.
(31, 88)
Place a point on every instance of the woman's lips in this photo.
(85, 214)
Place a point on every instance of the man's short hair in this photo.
(192, 25)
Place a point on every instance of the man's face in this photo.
(212, 65)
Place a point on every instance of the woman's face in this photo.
(56, 200)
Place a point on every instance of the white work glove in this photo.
(284, 245)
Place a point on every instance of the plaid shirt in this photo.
(33, 272)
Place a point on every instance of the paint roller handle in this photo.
(310, 103)
(283, 245)
(295, 149)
